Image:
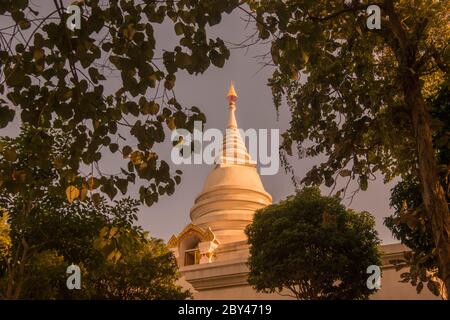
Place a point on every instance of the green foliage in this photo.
(312, 246)
(5, 241)
(440, 112)
(409, 223)
(343, 82)
(357, 95)
(148, 272)
(46, 277)
(32, 163)
(412, 227)
(59, 234)
(45, 233)
(65, 74)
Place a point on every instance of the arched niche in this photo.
(193, 245)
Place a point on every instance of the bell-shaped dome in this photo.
(233, 190)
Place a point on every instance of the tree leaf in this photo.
(72, 193)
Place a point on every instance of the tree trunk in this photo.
(433, 194)
(16, 267)
(432, 191)
(16, 271)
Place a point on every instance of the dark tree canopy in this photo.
(313, 247)
(410, 223)
(343, 82)
(45, 233)
(357, 95)
(51, 76)
(117, 259)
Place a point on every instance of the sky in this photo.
(255, 109)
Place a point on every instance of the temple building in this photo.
(212, 251)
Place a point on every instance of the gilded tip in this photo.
(232, 92)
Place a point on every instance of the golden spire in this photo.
(232, 97)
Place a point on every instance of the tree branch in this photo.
(345, 10)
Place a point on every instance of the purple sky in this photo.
(254, 110)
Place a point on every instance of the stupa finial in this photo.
(232, 96)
